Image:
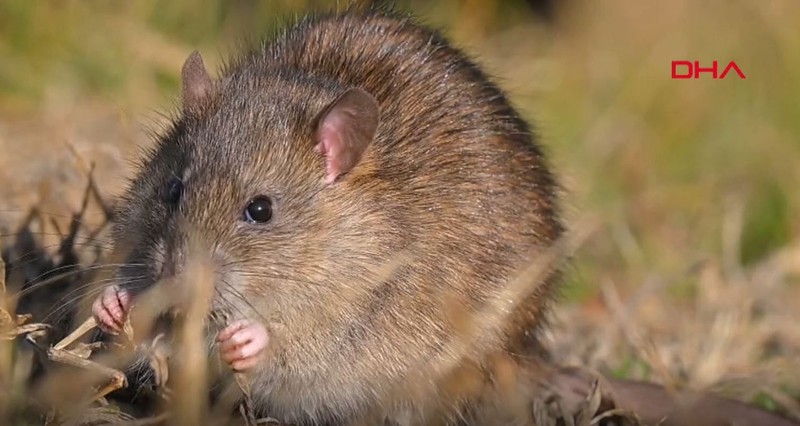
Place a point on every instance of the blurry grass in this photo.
(682, 172)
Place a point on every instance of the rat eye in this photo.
(259, 210)
(173, 192)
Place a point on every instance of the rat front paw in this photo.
(242, 343)
(110, 309)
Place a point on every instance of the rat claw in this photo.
(232, 328)
(111, 308)
(245, 364)
(104, 321)
(242, 343)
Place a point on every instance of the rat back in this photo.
(459, 180)
(453, 164)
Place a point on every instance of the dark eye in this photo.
(259, 210)
(173, 191)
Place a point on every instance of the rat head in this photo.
(260, 166)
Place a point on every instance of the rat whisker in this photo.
(95, 289)
(220, 316)
(70, 216)
(78, 240)
(28, 231)
(58, 270)
(46, 279)
(20, 258)
(232, 290)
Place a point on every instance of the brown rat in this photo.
(348, 142)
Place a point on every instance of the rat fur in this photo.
(406, 194)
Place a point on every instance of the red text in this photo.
(693, 69)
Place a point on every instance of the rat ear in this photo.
(196, 83)
(344, 130)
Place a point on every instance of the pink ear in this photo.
(196, 83)
(344, 130)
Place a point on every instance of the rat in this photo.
(348, 142)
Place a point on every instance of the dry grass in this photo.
(59, 372)
(691, 280)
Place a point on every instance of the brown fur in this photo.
(451, 199)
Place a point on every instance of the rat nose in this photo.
(174, 260)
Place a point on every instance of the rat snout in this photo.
(173, 260)
(168, 255)
(181, 250)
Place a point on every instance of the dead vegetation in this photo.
(736, 336)
(56, 371)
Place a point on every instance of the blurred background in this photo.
(692, 277)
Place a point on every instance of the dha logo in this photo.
(692, 69)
